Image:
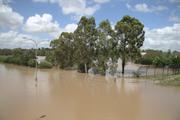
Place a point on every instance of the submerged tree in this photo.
(85, 36)
(88, 43)
(104, 44)
(130, 37)
(64, 50)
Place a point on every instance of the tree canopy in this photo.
(130, 37)
(90, 43)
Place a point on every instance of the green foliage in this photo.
(157, 61)
(63, 50)
(84, 40)
(5, 52)
(89, 43)
(104, 44)
(3, 58)
(32, 63)
(175, 61)
(130, 37)
(20, 57)
(81, 68)
(50, 57)
(14, 60)
(145, 61)
(45, 64)
(160, 59)
(42, 51)
(27, 57)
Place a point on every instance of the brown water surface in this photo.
(68, 95)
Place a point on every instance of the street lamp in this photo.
(36, 46)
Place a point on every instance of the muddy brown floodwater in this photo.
(68, 95)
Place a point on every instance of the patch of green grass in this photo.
(173, 80)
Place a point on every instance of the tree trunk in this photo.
(85, 66)
(123, 65)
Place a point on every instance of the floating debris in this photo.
(42, 116)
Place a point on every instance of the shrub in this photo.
(32, 63)
(145, 61)
(45, 64)
(160, 61)
(175, 62)
(3, 58)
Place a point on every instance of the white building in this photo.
(41, 59)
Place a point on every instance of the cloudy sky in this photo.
(44, 20)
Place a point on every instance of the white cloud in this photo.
(101, 1)
(42, 24)
(76, 7)
(129, 6)
(174, 18)
(142, 7)
(14, 39)
(145, 8)
(46, 24)
(163, 38)
(70, 27)
(9, 18)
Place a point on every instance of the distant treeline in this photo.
(160, 59)
(40, 51)
(151, 57)
(24, 57)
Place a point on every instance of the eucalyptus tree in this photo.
(130, 37)
(104, 44)
(50, 55)
(64, 49)
(85, 36)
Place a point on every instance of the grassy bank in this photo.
(172, 80)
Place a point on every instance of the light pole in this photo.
(36, 46)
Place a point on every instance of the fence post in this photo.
(154, 71)
(146, 70)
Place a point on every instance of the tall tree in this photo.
(64, 49)
(85, 37)
(104, 43)
(130, 37)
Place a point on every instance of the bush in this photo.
(9, 60)
(14, 60)
(145, 61)
(175, 62)
(32, 63)
(45, 64)
(3, 58)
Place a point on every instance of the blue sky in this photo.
(44, 20)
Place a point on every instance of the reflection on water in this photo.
(68, 95)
